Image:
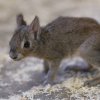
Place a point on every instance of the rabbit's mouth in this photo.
(19, 57)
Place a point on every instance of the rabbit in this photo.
(62, 38)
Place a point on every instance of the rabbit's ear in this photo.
(20, 20)
(35, 28)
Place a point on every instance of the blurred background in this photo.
(47, 10)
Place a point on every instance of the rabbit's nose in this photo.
(13, 56)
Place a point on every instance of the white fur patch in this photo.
(22, 44)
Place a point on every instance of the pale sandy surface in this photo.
(23, 80)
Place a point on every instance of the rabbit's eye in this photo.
(27, 44)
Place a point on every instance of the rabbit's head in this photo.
(24, 41)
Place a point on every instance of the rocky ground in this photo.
(23, 80)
